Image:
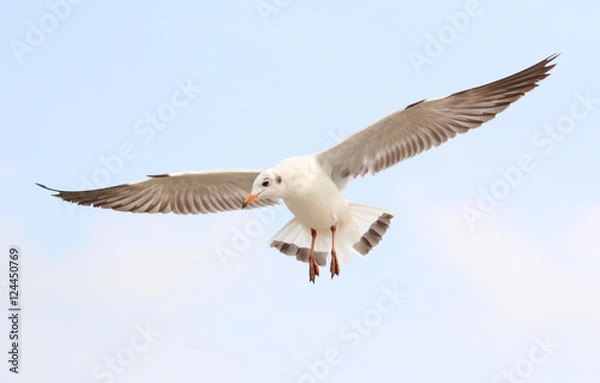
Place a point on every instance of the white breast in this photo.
(312, 196)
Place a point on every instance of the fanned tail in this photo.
(294, 239)
(360, 234)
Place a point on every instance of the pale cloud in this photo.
(582, 239)
(531, 281)
(87, 302)
(140, 260)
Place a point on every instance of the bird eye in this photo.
(265, 183)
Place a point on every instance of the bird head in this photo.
(266, 185)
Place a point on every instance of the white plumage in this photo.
(325, 227)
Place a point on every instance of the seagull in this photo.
(326, 227)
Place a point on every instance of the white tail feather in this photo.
(362, 232)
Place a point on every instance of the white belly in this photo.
(319, 205)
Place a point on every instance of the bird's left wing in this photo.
(180, 193)
(425, 124)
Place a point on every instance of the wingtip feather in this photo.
(46, 187)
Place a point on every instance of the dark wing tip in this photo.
(546, 64)
(527, 79)
(547, 61)
(46, 187)
(158, 175)
(414, 104)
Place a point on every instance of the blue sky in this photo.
(109, 296)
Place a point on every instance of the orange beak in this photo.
(251, 198)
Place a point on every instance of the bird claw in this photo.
(334, 267)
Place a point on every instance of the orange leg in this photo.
(334, 267)
(313, 267)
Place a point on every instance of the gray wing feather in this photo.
(179, 193)
(426, 124)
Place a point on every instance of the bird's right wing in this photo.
(180, 193)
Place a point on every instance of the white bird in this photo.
(324, 221)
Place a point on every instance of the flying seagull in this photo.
(324, 222)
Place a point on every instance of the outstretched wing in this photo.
(180, 193)
(424, 124)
